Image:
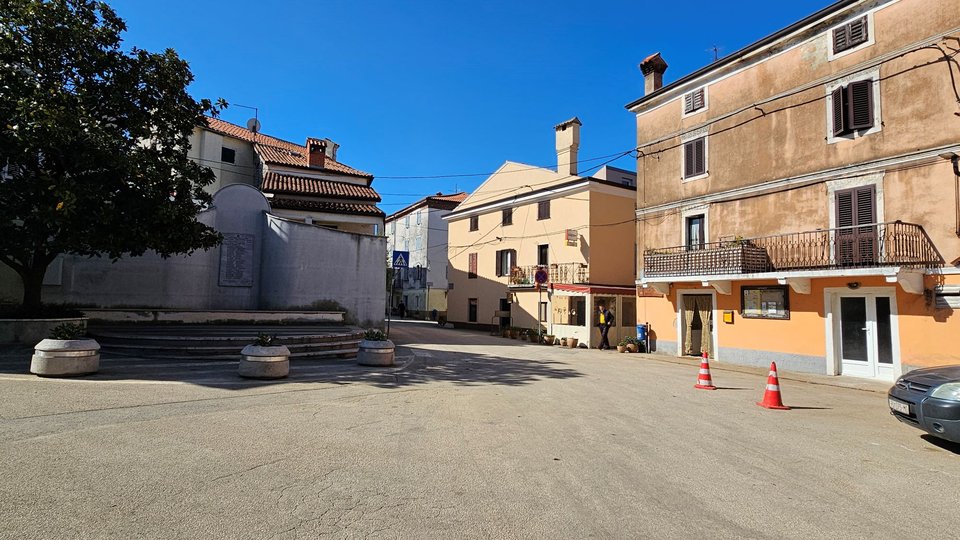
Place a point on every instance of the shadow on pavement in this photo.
(940, 443)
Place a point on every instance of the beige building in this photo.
(302, 182)
(579, 230)
(798, 199)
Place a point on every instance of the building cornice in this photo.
(577, 185)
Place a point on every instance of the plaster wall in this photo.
(205, 148)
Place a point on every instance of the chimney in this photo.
(652, 68)
(316, 152)
(331, 149)
(568, 141)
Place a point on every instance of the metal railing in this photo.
(861, 246)
(569, 273)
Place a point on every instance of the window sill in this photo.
(697, 177)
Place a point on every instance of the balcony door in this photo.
(864, 335)
(695, 232)
(856, 238)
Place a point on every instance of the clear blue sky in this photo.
(436, 87)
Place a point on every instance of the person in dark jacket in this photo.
(605, 321)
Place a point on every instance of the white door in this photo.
(864, 335)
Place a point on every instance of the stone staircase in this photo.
(223, 342)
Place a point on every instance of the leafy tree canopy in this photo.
(93, 142)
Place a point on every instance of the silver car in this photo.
(929, 399)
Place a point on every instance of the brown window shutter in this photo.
(472, 266)
(839, 125)
(688, 163)
(698, 99)
(512, 253)
(699, 156)
(499, 263)
(688, 103)
(866, 205)
(860, 99)
(857, 32)
(840, 41)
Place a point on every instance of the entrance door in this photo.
(504, 308)
(865, 338)
(697, 321)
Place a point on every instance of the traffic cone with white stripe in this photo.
(704, 382)
(771, 397)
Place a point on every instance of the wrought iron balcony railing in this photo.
(860, 246)
(569, 273)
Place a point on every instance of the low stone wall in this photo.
(31, 331)
(213, 316)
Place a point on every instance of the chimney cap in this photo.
(565, 123)
(653, 64)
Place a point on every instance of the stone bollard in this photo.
(375, 353)
(65, 357)
(258, 362)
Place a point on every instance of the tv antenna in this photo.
(253, 124)
(716, 52)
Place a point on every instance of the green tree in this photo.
(93, 142)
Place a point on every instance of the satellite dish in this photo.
(253, 125)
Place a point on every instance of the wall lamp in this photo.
(955, 159)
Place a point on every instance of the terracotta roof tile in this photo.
(279, 151)
(326, 206)
(289, 184)
(455, 197)
(446, 202)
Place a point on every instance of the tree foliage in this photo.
(93, 142)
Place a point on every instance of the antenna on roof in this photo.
(253, 125)
(716, 52)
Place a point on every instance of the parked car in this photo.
(929, 399)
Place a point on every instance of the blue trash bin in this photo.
(642, 333)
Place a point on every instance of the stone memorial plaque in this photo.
(236, 260)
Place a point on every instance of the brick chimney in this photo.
(568, 142)
(316, 152)
(653, 68)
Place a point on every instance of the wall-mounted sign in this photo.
(236, 260)
(572, 237)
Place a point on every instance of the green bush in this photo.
(266, 340)
(628, 340)
(374, 335)
(68, 331)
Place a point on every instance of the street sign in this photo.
(540, 276)
(572, 237)
(401, 259)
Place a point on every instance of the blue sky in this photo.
(452, 87)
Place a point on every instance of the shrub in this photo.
(68, 331)
(265, 340)
(374, 335)
(628, 340)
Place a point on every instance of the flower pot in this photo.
(563, 342)
(621, 348)
(257, 362)
(376, 353)
(65, 357)
(572, 342)
(549, 340)
(632, 347)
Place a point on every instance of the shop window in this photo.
(771, 302)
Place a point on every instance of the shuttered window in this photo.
(693, 101)
(472, 266)
(850, 35)
(852, 107)
(543, 210)
(507, 216)
(695, 157)
(856, 236)
(474, 223)
(506, 260)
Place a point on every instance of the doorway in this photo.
(696, 324)
(864, 335)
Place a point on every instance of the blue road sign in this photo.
(401, 259)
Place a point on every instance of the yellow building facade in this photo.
(577, 229)
(798, 200)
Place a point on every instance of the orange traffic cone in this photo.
(771, 397)
(704, 382)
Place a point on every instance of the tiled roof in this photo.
(287, 184)
(279, 151)
(455, 197)
(446, 202)
(326, 206)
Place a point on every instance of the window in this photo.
(695, 157)
(406, 245)
(543, 254)
(472, 266)
(474, 223)
(570, 310)
(543, 312)
(765, 302)
(628, 312)
(418, 243)
(856, 244)
(418, 217)
(543, 210)
(852, 107)
(406, 221)
(695, 232)
(472, 310)
(228, 155)
(694, 101)
(393, 227)
(850, 35)
(507, 217)
(506, 260)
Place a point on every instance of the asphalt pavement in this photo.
(468, 436)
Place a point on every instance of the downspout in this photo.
(955, 160)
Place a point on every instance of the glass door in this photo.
(865, 336)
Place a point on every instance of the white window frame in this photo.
(683, 103)
(828, 110)
(833, 186)
(871, 37)
(694, 211)
(419, 217)
(696, 134)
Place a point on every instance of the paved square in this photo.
(471, 436)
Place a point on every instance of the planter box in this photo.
(376, 353)
(258, 362)
(65, 357)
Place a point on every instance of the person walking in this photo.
(605, 321)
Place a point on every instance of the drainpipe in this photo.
(955, 160)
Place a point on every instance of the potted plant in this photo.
(375, 349)
(549, 339)
(628, 344)
(563, 341)
(514, 332)
(572, 342)
(622, 346)
(66, 353)
(265, 358)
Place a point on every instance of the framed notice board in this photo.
(771, 302)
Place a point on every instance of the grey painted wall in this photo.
(293, 265)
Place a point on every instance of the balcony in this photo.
(861, 246)
(568, 273)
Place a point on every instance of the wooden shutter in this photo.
(856, 245)
(499, 263)
(688, 155)
(472, 266)
(688, 103)
(839, 123)
(698, 99)
(840, 40)
(693, 101)
(857, 32)
(860, 100)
